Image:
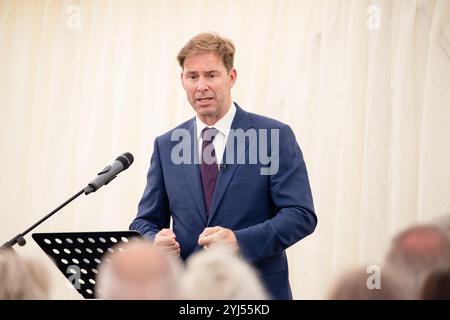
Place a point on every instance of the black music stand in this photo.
(78, 254)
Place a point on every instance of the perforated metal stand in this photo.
(78, 254)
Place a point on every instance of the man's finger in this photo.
(208, 239)
(173, 249)
(173, 252)
(209, 230)
(203, 240)
(167, 232)
(165, 241)
(174, 245)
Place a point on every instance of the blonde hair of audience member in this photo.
(354, 285)
(414, 254)
(21, 278)
(219, 274)
(138, 271)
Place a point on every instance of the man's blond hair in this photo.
(209, 42)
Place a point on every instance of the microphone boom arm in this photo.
(18, 239)
(103, 178)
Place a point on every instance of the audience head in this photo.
(219, 274)
(356, 285)
(138, 271)
(414, 254)
(437, 286)
(22, 279)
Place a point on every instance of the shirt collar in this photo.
(223, 125)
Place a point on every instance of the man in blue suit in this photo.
(226, 176)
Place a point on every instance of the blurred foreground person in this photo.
(138, 271)
(355, 285)
(22, 279)
(219, 274)
(437, 286)
(414, 254)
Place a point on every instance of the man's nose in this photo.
(202, 86)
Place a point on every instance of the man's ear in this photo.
(233, 76)
(181, 78)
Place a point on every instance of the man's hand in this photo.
(218, 235)
(165, 240)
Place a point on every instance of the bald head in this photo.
(138, 271)
(422, 242)
(415, 253)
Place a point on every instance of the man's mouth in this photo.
(204, 100)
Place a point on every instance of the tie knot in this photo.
(208, 134)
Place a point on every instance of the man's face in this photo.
(207, 84)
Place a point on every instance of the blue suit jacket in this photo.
(267, 213)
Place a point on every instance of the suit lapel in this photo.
(240, 121)
(192, 174)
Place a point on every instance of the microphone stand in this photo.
(18, 239)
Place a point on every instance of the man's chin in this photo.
(205, 110)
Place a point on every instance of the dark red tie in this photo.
(208, 166)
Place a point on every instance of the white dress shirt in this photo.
(220, 140)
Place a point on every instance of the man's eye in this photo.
(192, 77)
(211, 76)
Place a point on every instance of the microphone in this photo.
(104, 177)
(222, 167)
(110, 172)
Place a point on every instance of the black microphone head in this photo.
(126, 159)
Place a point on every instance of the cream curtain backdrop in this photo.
(368, 99)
